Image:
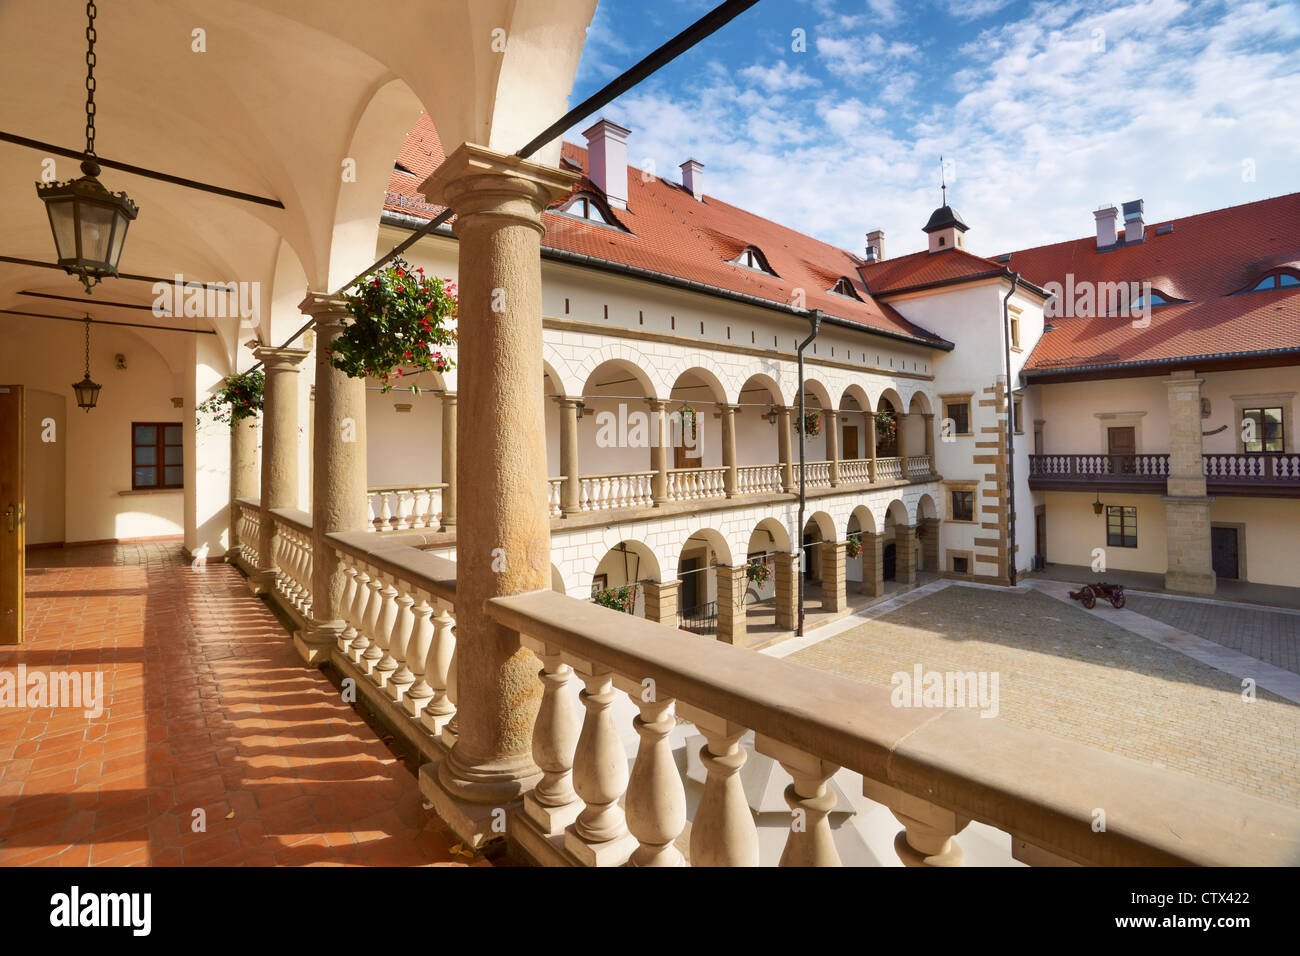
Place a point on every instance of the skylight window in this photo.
(1153, 300)
(845, 288)
(584, 208)
(1277, 280)
(751, 258)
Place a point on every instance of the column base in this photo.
(613, 852)
(475, 824)
(316, 642)
(1190, 582)
(262, 581)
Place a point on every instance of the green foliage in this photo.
(617, 599)
(239, 397)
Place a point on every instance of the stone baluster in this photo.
(402, 677)
(386, 665)
(809, 842)
(553, 804)
(723, 831)
(656, 800)
(374, 652)
(419, 693)
(349, 630)
(438, 670)
(599, 836)
(929, 831)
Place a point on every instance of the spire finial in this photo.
(943, 182)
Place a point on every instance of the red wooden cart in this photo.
(1088, 594)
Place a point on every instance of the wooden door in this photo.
(12, 558)
(1121, 446)
(1224, 552)
(849, 451)
(1040, 534)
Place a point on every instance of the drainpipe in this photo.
(815, 317)
(1011, 433)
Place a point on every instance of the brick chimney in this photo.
(1106, 236)
(875, 245)
(607, 160)
(693, 178)
(1133, 221)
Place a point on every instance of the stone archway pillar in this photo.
(787, 590)
(873, 564)
(783, 449)
(503, 540)
(569, 465)
(905, 554)
(661, 602)
(930, 545)
(338, 478)
(279, 451)
(732, 585)
(245, 477)
(834, 558)
(869, 422)
(448, 520)
(832, 420)
(900, 429)
(729, 448)
(660, 440)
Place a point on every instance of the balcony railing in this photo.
(1270, 473)
(603, 492)
(936, 769)
(403, 507)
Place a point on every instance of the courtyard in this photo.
(1073, 675)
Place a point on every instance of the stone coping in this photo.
(401, 557)
(294, 518)
(1038, 788)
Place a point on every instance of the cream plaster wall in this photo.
(1272, 530)
(1073, 531)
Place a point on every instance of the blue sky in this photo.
(1043, 111)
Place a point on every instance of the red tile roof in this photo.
(1205, 259)
(673, 234)
(923, 269)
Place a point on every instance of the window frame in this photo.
(160, 466)
(963, 398)
(1281, 425)
(1124, 511)
(1013, 320)
(952, 504)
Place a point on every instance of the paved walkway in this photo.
(1078, 676)
(1272, 636)
(207, 708)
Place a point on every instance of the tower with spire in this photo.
(946, 228)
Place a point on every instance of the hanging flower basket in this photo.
(854, 547)
(758, 571)
(812, 423)
(399, 326)
(886, 428)
(689, 418)
(617, 599)
(239, 397)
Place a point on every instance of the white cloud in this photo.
(779, 77)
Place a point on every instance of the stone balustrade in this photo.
(246, 523)
(293, 562)
(819, 474)
(626, 490)
(855, 470)
(919, 466)
(890, 469)
(935, 769)
(555, 496)
(758, 479)
(405, 507)
(694, 484)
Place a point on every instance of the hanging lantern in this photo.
(1097, 506)
(89, 222)
(771, 416)
(87, 392)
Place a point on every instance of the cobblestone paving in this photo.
(1269, 636)
(206, 706)
(1065, 673)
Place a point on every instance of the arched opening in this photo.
(614, 431)
(758, 434)
(818, 532)
(855, 444)
(918, 435)
(898, 545)
(862, 563)
(695, 420)
(619, 579)
(697, 580)
(888, 409)
(927, 533)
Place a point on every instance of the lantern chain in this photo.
(90, 78)
(87, 346)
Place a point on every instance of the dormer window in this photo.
(845, 288)
(751, 258)
(1281, 279)
(584, 207)
(1154, 300)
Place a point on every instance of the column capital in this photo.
(475, 180)
(280, 359)
(326, 309)
(448, 396)
(568, 401)
(658, 404)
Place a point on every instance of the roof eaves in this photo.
(1155, 363)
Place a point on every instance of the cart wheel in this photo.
(1088, 600)
(1117, 599)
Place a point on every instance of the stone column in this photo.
(930, 545)
(245, 477)
(660, 435)
(731, 604)
(929, 439)
(905, 554)
(834, 557)
(832, 422)
(783, 448)
(661, 602)
(279, 451)
(900, 425)
(787, 590)
(873, 564)
(569, 467)
(1187, 507)
(449, 460)
(729, 448)
(503, 540)
(869, 422)
(338, 479)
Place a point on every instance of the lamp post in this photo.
(89, 222)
